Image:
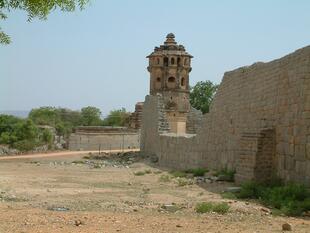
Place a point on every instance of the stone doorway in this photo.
(256, 159)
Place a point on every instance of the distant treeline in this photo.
(26, 134)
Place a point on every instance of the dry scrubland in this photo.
(72, 194)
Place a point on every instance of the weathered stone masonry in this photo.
(104, 138)
(259, 124)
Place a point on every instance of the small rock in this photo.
(208, 181)
(212, 178)
(178, 225)
(265, 210)
(77, 222)
(199, 179)
(58, 208)
(286, 227)
(170, 208)
(233, 189)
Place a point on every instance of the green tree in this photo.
(46, 136)
(7, 123)
(69, 119)
(62, 119)
(18, 133)
(202, 94)
(36, 9)
(45, 116)
(8, 126)
(26, 130)
(117, 118)
(69, 116)
(90, 116)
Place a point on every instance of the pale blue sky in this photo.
(97, 56)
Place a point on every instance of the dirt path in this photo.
(70, 192)
(61, 154)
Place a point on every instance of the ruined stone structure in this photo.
(136, 117)
(258, 124)
(169, 67)
(103, 138)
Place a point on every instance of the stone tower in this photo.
(169, 67)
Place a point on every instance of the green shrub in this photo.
(18, 133)
(47, 136)
(183, 182)
(78, 162)
(62, 119)
(178, 174)
(229, 195)
(226, 175)
(139, 173)
(25, 145)
(197, 171)
(19, 129)
(221, 208)
(291, 199)
(164, 178)
(8, 138)
(206, 207)
(118, 117)
(142, 173)
(250, 190)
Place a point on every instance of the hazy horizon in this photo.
(97, 57)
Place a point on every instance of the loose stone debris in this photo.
(58, 208)
(286, 227)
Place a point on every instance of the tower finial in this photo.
(170, 39)
(170, 35)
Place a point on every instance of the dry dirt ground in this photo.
(66, 193)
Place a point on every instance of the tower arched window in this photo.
(182, 81)
(166, 61)
(158, 83)
(158, 61)
(178, 61)
(171, 82)
(172, 61)
(171, 79)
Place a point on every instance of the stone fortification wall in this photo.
(194, 120)
(105, 138)
(259, 123)
(154, 122)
